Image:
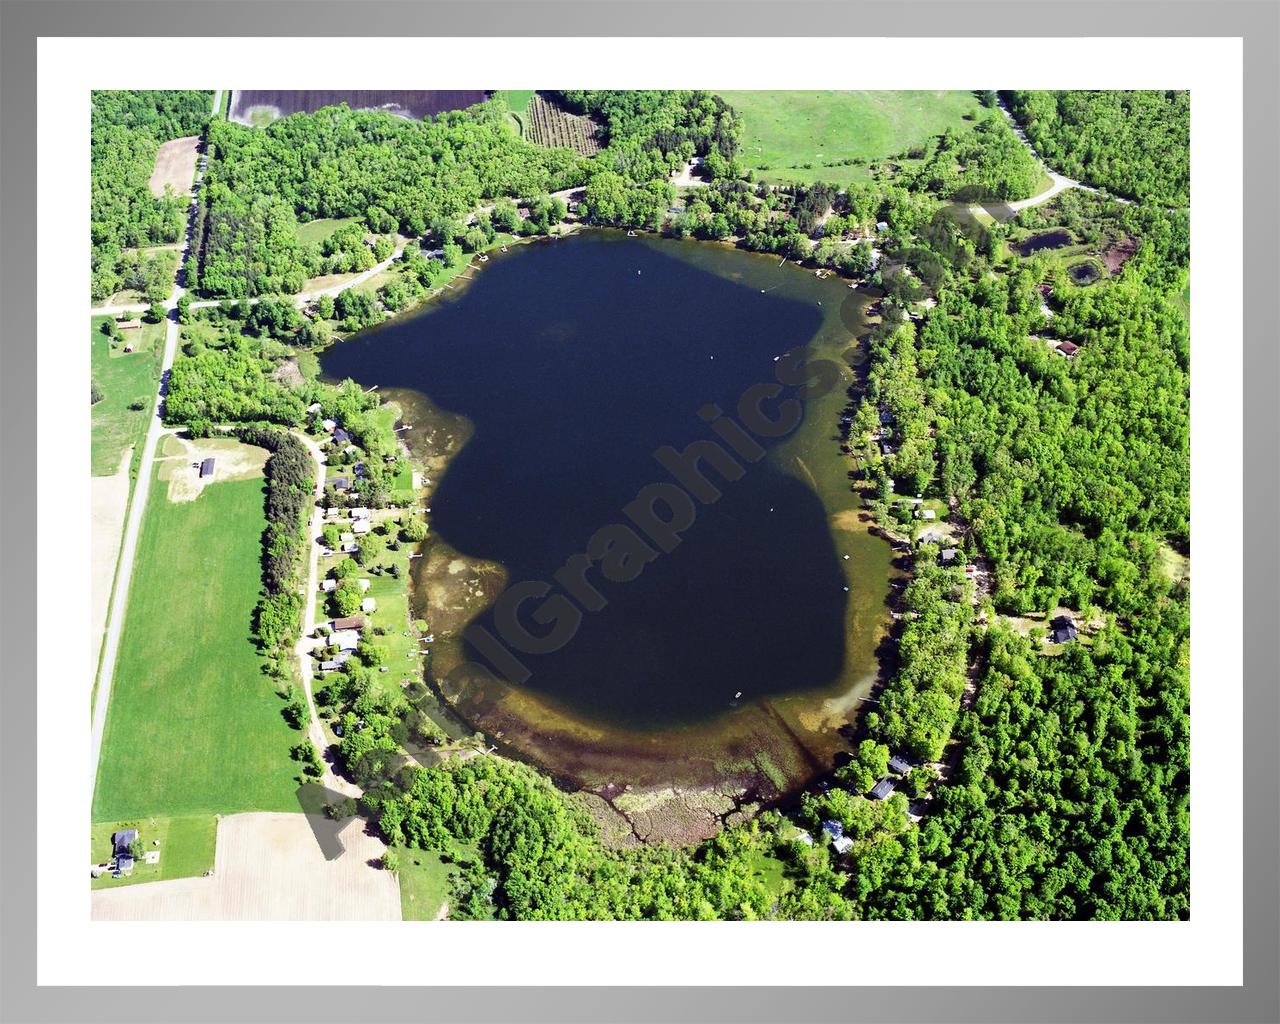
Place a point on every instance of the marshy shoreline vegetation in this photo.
(1047, 780)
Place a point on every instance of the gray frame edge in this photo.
(1256, 21)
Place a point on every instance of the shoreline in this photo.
(789, 742)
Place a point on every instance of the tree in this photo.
(414, 530)
(348, 597)
(370, 547)
(325, 307)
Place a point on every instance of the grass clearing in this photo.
(797, 135)
(125, 381)
(424, 883)
(318, 230)
(187, 847)
(194, 726)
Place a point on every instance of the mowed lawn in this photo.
(187, 848)
(318, 230)
(784, 130)
(123, 380)
(194, 726)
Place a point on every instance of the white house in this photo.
(345, 639)
(369, 604)
(360, 513)
(361, 526)
(328, 586)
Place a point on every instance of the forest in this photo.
(126, 129)
(392, 173)
(1136, 143)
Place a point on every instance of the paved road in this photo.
(1060, 181)
(138, 505)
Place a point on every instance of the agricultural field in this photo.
(194, 727)
(268, 867)
(548, 124)
(127, 383)
(175, 166)
(262, 106)
(186, 847)
(803, 136)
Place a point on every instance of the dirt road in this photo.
(307, 643)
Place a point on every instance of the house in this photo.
(361, 526)
(340, 436)
(350, 548)
(1068, 349)
(329, 425)
(360, 470)
(328, 586)
(206, 469)
(347, 537)
(842, 845)
(330, 666)
(1064, 629)
(332, 512)
(121, 841)
(129, 325)
(949, 554)
(369, 604)
(345, 639)
(360, 513)
(882, 225)
(899, 764)
(884, 788)
(348, 622)
(833, 828)
(313, 408)
(340, 483)
(926, 513)
(802, 836)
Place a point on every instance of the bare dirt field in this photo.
(175, 165)
(268, 867)
(179, 461)
(109, 499)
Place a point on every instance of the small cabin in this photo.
(1064, 629)
(883, 789)
(206, 469)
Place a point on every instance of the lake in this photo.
(538, 397)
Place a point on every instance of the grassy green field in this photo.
(787, 130)
(194, 727)
(186, 848)
(318, 230)
(424, 883)
(123, 380)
